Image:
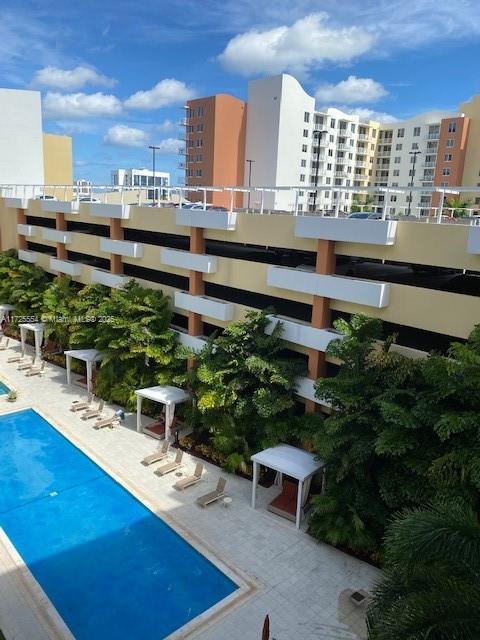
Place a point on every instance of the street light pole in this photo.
(153, 148)
(250, 162)
(414, 154)
(317, 134)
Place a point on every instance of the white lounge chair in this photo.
(184, 483)
(26, 365)
(36, 370)
(110, 422)
(159, 455)
(18, 358)
(170, 466)
(80, 405)
(94, 413)
(4, 347)
(213, 496)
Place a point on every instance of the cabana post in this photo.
(37, 328)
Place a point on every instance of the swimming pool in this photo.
(3, 388)
(111, 568)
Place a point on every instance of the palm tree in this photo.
(431, 586)
(458, 206)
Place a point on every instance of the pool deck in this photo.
(302, 585)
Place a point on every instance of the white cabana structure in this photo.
(89, 356)
(293, 462)
(37, 328)
(168, 396)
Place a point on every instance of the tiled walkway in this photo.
(302, 585)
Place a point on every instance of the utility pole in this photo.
(317, 134)
(250, 162)
(414, 154)
(154, 149)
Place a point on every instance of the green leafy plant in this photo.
(458, 206)
(57, 310)
(431, 584)
(244, 388)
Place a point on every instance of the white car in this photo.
(44, 197)
(88, 199)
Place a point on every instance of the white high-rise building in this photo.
(142, 178)
(406, 155)
(21, 137)
(289, 142)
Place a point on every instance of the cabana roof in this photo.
(164, 395)
(87, 355)
(289, 460)
(32, 326)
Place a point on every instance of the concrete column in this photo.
(320, 314)
(196, 284)
(61, 225)
(21, 219)
(116, 233)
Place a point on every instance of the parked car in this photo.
(88, 199)
(198, 206)
(44, 197)
(368, 215)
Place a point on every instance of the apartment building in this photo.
(214, 152)
(422, 280)
(142, 178)
(82, 187)
(289, 142)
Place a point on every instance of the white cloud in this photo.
(169, 145)
(370, 114)
(353, 90)
(122, 136)
(297, 48)
(80, 105)
(70, 79)
(165, 93)
(165, 126)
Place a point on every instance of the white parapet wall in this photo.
(16, 203)
(196, 343)
(364, 292)
(208, 219)
(59, 206)
(305, 388)
(473, 240)
(204, 305)
(303, 333)
(27, 230)
(66, 266)
(28, 256)
(122, 247)
(112, 280)
(56, 235)
(105, 210)
(382, 232)
(187, 260)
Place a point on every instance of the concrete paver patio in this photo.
(302, 585)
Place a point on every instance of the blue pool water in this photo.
(3, 388)
(111, 568)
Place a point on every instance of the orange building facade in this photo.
(215, 146)
(452, 148)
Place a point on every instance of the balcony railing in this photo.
(433, 136)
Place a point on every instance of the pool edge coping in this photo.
(44, 609)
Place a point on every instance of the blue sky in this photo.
(114, 75)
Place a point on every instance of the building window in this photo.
(198, 173)
(302, 177)
(414, 145)
(200, 142)
(452, 127)
(416, 132)
(399, 146)
(446, 171)
(397, 160)
(396, 172)
(306, 117)
(200, 127)
(200, 112)
(444, 184)
(305, 133)
(400, 133)
(303, 163)
(332, 123)
(448, 157)
(300, 207)
(304, 148)
(301, 193)
(450, 142)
